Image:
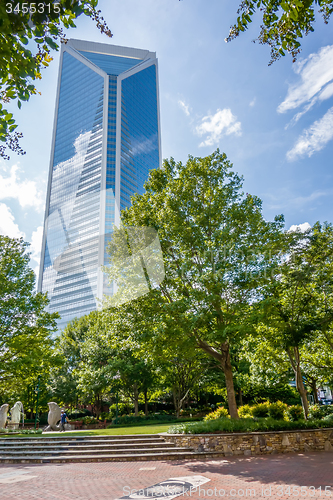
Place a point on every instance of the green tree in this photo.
(25, 325)
(155, 338)
(298, 300)
(284, 23)
(217, 249)
(29, 32)
(85, 374)
(97, 356)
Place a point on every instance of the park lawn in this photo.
(134, 429)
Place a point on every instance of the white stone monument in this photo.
(53, 417)
(3, 415)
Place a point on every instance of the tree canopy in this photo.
(217, 251)
(29, 32)
(284, 23)
(297, 303)
(25, 325)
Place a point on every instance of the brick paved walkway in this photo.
(272, 476)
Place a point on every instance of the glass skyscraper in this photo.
(106, 139)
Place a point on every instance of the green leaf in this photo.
(24, 40)
(51, 43)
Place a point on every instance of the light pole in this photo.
(37, 391)
(116, 377)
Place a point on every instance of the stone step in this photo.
(63, 436)
(99, 449)
(86, 446)
(32, 453)
(76, 442)
(133, 457)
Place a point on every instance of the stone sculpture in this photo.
(53, 417)
(16, 413)
(3, 415)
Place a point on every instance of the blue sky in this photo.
(274, 123)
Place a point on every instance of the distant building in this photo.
(106, 139)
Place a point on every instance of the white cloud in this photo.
(314, 138)
(315, 82)
(8, 227)
(214, 126)
(300, 227)
(327, 92)
(36, 243)
(36, 246)
(24, 191)
(185, 107)
(144, 145)
(252, 103)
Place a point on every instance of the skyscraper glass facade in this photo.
(106, 140)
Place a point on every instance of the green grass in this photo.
(117, 431)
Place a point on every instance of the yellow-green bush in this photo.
(219, 413)
(245, 411)
(295, 413)
(277, 410)
(261, 410)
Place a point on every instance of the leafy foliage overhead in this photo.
(29, 31)
(284, 23)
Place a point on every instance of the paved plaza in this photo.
(273, 476)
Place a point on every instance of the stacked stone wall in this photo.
(256, 443)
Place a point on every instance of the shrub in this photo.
(123, 409)
(328, 410)
(219, 413)
(89, 420)
(245, 411)
(21, 431)
(295, 413)
(277, 410)
(132, 419)
(260, 410)
(105, 415)
(276, 392)
(329, 418)
(78, 414)
(316, 412)
(246, 425)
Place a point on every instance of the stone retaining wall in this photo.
(256, 443)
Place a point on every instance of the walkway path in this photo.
(273, 476)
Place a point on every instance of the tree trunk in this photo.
(240, 392)
(314, 389)
(229, 382)
(136, 400)
(176, 402)
(98, 404)
(296, 365)
(224, 359)
(302, 392)
(146, 402)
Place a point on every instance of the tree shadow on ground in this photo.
(310, 469)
